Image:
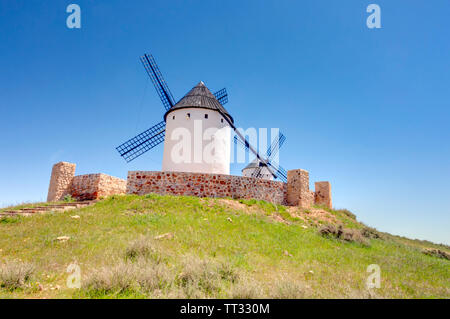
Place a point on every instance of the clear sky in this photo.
(367, 109)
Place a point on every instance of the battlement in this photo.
(295, 192)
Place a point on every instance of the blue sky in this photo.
(367, 109)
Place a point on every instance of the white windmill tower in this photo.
(251, 169)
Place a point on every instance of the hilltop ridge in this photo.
(154, 246)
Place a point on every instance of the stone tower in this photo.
(60, 181)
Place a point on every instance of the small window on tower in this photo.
(188, 116)
(221, 120)
(173, 117)
(206, 116)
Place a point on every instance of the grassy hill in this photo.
(186, 247)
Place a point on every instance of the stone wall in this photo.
(94, 186)
(205, 185)
(110, 185)
(85, 187)
(295, 192)
(82, 187)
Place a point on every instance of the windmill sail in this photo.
(143, 142)
(222, 96)
(158, 81)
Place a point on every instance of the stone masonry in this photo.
(60, 181)
(298, 193)
(93, 186)
(205, 185)
(83, 187)
(322, 194)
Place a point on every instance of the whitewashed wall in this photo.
(216, 141)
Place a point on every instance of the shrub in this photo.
(14, 275)
(199, 273)
(154, 277)
(339, 232)
(205, 276)
(369, 232)
(68, 199)
(228, 273)
(436, 253)
(143, 248)
(116, 279)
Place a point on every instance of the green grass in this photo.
(274, 259)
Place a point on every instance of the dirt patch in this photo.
(314, 215)
(233, 204)
(280, 219)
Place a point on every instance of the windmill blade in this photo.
(281, 173)
(143, 142)
(237, 141)
(222, 96)
(276, 144)
(271, 151)
(158, 81)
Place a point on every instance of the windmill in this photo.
(199, 98)
(154, 136)
(257, 169)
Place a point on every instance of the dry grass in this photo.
(204, 275)
(143, 272)
(247, 289)
(116, 279)
(143, 247)
(128, 278)
(288, 289)
(154, 277)
(15, 274)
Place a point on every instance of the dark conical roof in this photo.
(199, 97)
(252, 164)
